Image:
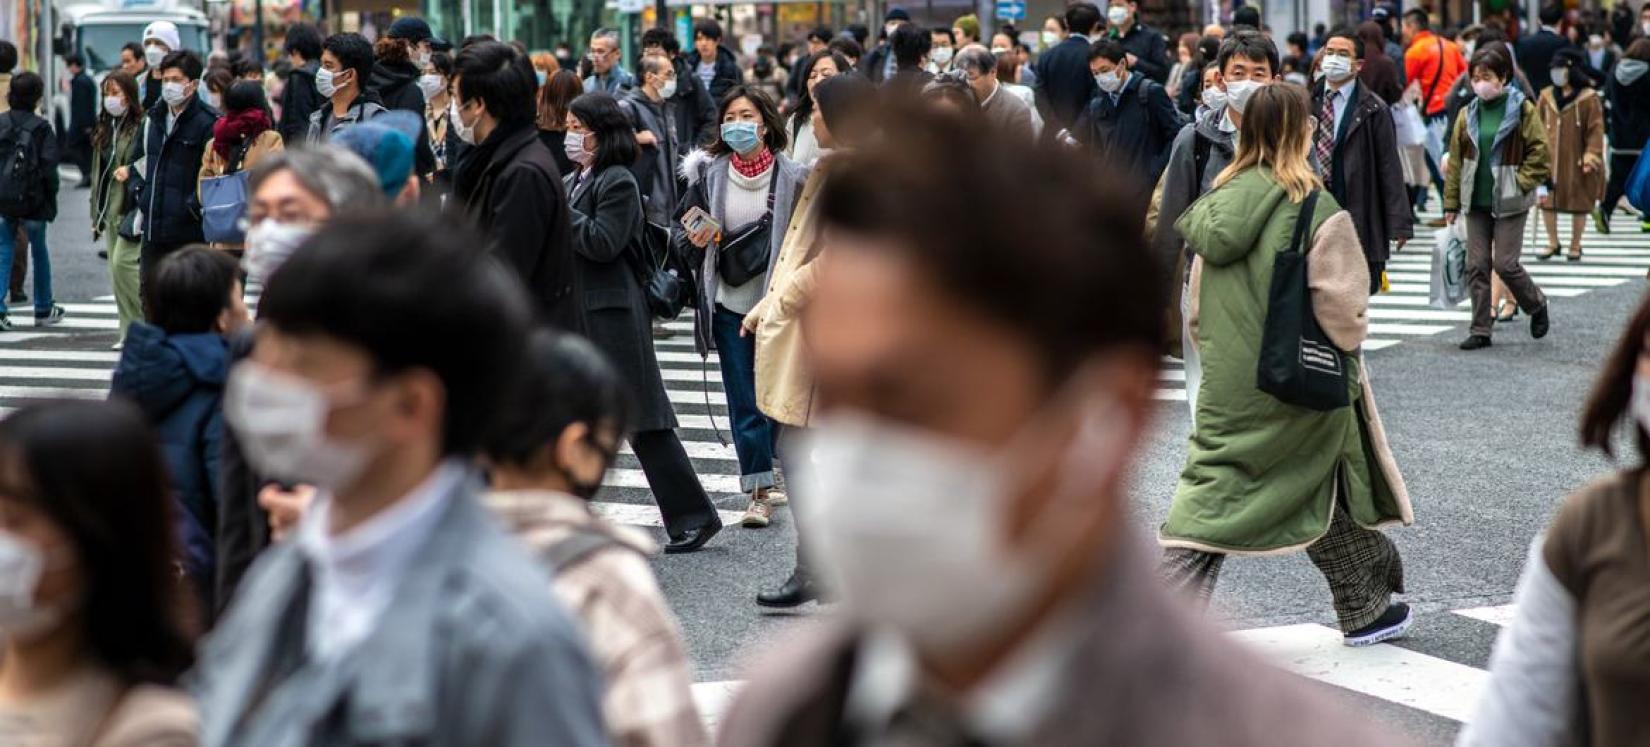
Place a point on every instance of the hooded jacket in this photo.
(727, 71)
(396, 84)
(1518, 160)
(177, 380)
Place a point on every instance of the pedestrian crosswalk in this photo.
(1418, 673)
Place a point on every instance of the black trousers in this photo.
(1621, 167)
(681, 499)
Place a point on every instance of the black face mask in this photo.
(587, 491)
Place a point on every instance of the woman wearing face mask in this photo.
(750, 190)
(1263, 476)
(804, 148)
(1568, 668)
(395, 80)
(1213, 97)
(1628, 88)
(544, 66)
(1499, 157)
(554, 98)
(242, 137)
(1185, 60)
(1573, 115)
(1054, 31)
(606, 209)
(213, 85)
(433, 84)
(113, 139)
(92, 613)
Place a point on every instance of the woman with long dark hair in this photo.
(119, 121)
(555, 96)
(804, 147)
(92, 613)
(607, 231)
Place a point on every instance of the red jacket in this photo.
(1427, 53)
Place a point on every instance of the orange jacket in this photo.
(1427, 52)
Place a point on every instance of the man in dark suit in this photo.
(1535, 52)
(1354, 145)
(77, 139)
(1132, 123)
(1148, 50)
(1064, 83)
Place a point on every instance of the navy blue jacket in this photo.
(177, 380)
(1136, 133)
(171, 208)
(1064, 84)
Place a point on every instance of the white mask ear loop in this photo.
(1092, 458)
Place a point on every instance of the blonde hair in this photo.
(1277, 132)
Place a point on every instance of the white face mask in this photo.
(432, 85)
(1560, 76)
(572, 146)
(466, 133)
(1117, 15)
(21, 565)
(423, 60)
(1639, 405)
(326, 83)
(1237, 94)
(1645, 27)
(942, 56)
(668, 89)
(281, 422)
(1050, 38)
(114, 105)
(1468, 48)
(269, 243)
(1595, 41)
(1488, 90)
(175, 94)
(153, 54)
(1298, 79)
(1336, 68)
(910, 525)
(210, 98)
(1214, 98)
(995, 51)
(1109, 82)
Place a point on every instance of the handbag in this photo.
(223, 201)
(1298, 364)
(660, 273)
(744, 255)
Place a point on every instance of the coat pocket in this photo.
(1510, 199)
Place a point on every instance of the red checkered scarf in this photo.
(755, 166)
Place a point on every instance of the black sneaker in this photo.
(1393, 623)
(1539, 323)
(51, 317)
(1475, 342)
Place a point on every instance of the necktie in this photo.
(1326, 130)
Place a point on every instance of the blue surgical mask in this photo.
(740, 136)
(542, 76)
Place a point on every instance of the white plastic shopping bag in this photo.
(1449, 266)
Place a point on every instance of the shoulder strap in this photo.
(577, 548)
(1437, 75)
(1303, 222)
(234, 166)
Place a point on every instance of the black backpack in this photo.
(20, 173)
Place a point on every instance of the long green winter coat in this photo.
(1260, 474)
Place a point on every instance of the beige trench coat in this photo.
(784, 382)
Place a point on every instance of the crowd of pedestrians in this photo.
(359, 509)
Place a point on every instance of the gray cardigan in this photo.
(472, 650)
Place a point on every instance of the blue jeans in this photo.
(36, 231)
(753, 432)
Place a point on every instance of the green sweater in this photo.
(1490, 114)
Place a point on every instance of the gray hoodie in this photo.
(1181, 184)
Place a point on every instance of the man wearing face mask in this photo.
(878, 65)
(175, 139)
(1147, 49)
(1354, 145)
(400, 57)
(652, 111)
(398, 611)
(992, 589)
(508, 182)
(159, 39)
(1132, 122)
(1247, 61)
(346, 66)
(1064, 83)
(942, 48)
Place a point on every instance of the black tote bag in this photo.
(1298, 364)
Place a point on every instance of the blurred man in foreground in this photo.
(991, 591)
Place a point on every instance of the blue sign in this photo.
(1011, 10)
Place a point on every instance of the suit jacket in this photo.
(83, 106)
(1535, 57)
(1136, 132)
(1064, 84)
(472, 649)
(1150, 50)
(1364, 177)
(1138, 671)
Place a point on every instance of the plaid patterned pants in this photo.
(1361, 565)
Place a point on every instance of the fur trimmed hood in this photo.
(692, 167)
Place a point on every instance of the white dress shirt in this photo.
(355, 573)
(1343, 95)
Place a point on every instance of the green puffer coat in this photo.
(1260, 474)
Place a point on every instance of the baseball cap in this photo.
(414, 30)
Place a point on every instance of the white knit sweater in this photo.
(745, 202)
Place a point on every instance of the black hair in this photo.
(354, 52)
(661, 38)
(244, 95)
(1077, 225)
(949, 34)
(434, 304)
(1551, 14)
(247, 65)
(135, 48)
(25, 93)
(766, 110)
(184, 61)
(1081, 18)
(564, 380)
(1343, 32)
(860, 32)
(1247, 16)
(848, 104)
(73, 60)
(821, 34)
(475, 39)
(8, 56)
(95, 469)
(909, 45)
(442, 62)
(1110, 49)
(1493, 59)
(804, 101)
(500, 77)
(708, 28)
(1250, 45)
(189, 289)
(847, 47)
(615, 136)
(1418, 18)
(305, 39)
(1299, 39)
(218, 80)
